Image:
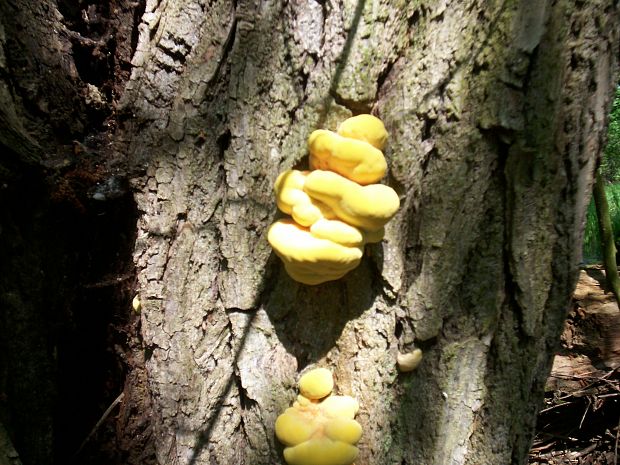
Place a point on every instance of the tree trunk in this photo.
(496, 114)
(606, 233)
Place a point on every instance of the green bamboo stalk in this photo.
(608, 247)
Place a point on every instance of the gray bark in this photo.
(496, 113)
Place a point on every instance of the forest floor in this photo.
(580, 422)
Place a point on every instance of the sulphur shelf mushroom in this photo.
(319, 429)
(409, 361)
(336, 209)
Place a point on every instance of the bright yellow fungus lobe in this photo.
(309, 259)
(338, 231)
(409, 361)
(340, 406)
(136, 304)
(319, 432)
(292, 199)
(367, 207)
(365, 127)
(336, 209)
(322, 451)
(316, 384)
(295, 427)
(355, 159)
(343, 429)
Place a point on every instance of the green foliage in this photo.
(610, 167)
(610, 171)
(591, 240)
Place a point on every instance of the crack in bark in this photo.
(204, 436)
(341, 61)
(228, 44)
(511, 287)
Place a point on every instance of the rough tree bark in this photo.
(606, 234)
(496, 113)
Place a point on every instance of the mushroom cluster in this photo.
(319, 428)
(337, 207)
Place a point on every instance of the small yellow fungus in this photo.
(355, 159)
(409, 361)
(340, 406)
(343, 429)
(316, 384)
(319, 432)
(367, 207)
(338, 231)
(365, 127)
(294, 426)
(136, 304)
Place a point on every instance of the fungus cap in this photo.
(321, 451)
(339, 406)
(292, 200)
(316, 384)
(409, 361)
(355, 159)
(367, 207)
(308, 259)
(319, 432)
(365, 127)
(136, 304)
(338, 231)
(293, 427)
(343, 429)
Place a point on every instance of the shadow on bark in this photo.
(330, 97)
(308, 319)
(204, 436)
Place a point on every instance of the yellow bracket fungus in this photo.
(335, 209)
(319, 432)
(292, 199)
(409, 361)
(367, 207)
(365, 127)
(356, 159)
(309, 259)
(136, 304)
(316, 384)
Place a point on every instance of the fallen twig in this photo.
(105, 415)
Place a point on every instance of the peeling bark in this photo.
(496, 113)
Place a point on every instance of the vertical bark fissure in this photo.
(204, 438)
